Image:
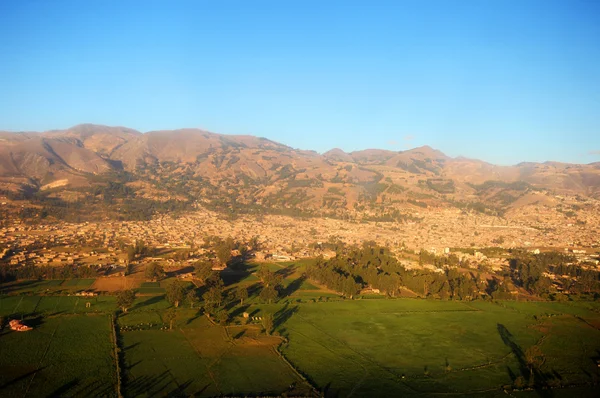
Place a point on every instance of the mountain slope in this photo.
(246, 172)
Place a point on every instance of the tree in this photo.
(350, 287)
(241, 293)
(175, 293)
(267, 323)
(130, 253)
(263, 272)
(192, 298)
(254, 243)
(268, 294)
(125, 299)
(203, 270)
(213, 298)
(154, 271)
(170, 316)
(140, 248)
(214, 280)
(267, 277)
(534, 358)
(224, 249)
(223, 317)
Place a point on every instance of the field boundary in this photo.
(116, 350)
(302, 377)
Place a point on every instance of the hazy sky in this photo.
(504, 81)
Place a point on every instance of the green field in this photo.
(79, 283)
(419, 347)
(151, 288)
(62, 356)
(18, 306)
(322, 344)
(201, 359)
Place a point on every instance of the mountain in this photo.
(246, 173)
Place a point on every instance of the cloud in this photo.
(392, 143)
(409, 137)
(594, 152)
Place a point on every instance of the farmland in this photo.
(66, 355)
(321, 344)
(206, 360)
(418, 347)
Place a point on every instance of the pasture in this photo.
(421, 347)
(366, 347)
(205, 360)
(62, 356)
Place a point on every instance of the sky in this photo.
(499, 80)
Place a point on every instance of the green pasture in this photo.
(61, 356)
(200, 359)
(24, 306)
(421, 347)
(151, 288)
(369, 346)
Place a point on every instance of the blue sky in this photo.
(499, 80)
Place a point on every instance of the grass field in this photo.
(418, 347)
(151, 288)
(63, 356)
(201, 359)
(360, 348)
(31, 306)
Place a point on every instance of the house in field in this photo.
(18, 326)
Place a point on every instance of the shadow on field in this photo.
(254, 289)
(231, 277)
(294, 286)
(81, 388)
(196, 316)
(287, 271)
(149, 301)
(12, 287)
(65, 388)
(133, 365)
(34, 320)
(239, 310)
(148, 385)
(283, 315)
(131, 346)
(508, 340)
(25, 376)
(537, 378)
(180, 390)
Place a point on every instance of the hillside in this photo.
(251, 174)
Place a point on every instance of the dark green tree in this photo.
(192, 298)
(268, 294)
(213, 298)
(203, 270)
(241, 293)
(267, 323)
(125, 299)
(170, 315)
(175, 293)
(154, 271)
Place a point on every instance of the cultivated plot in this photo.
(61, 356)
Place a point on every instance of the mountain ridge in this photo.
(233, 171)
